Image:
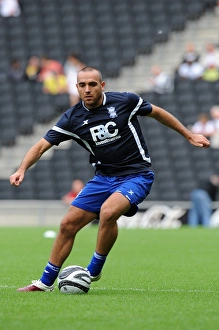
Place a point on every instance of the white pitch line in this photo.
(133, 289)
(7, 286)
(156, 290)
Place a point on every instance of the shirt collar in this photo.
(104, 102)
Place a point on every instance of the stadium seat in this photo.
(154, 194)
(202, 162)
(5, 100)
(178, 22)
(8, 136)
(45, 109)
(8, 126)
(166, 99)
(45, 190)
(44, 182)
(187, 99)
(60, 103)
(112, 65)
(149, 96)
(45, 113)
(176, 7)
(189, 109)
(6, 88)
(61, 159)
(26, 191)
(194, 9)
(35, 45)
(6, 190)
(205, 100)
(24, 99)
(127, 51)
(168, 191)
(26, 124)
(201, 86)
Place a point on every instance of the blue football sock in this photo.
(96, 264)
(50, 274)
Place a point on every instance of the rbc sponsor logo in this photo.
(101, 132)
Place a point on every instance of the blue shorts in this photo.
(134, 187)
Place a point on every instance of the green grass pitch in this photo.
(152, 280)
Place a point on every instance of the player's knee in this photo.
(68, 227)
(107, 214)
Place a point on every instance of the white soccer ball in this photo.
(74, 280)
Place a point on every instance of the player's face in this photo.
(90, 88)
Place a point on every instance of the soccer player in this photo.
(106, 125)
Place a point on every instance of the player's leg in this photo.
(74, 220)
(127, 193)
(115, 206)
(111, 210)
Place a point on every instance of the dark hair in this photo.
(90, 68)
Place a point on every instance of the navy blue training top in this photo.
(110, 133)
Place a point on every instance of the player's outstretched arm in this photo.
(167, 119)
(29, 159)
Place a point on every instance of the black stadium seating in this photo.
(108, 34)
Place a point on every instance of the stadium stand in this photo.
(109, 34)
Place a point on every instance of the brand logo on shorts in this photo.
(131, 192)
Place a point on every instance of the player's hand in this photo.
(16, 179)
(199, 140)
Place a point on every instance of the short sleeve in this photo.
(59, 132)
(144, 107)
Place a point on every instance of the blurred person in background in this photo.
(201, 201)
(76, 187)
(161, 81)
(55, 83)
(190, 53)
(214, 113)
(211, 73)
(48, 65)
(203, 125)
(10, 8)
(190, 69)
(210, 57)
(16, 71)
(72, 66)
(217, 8)
(33, 68)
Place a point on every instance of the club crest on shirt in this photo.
(112, 112)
